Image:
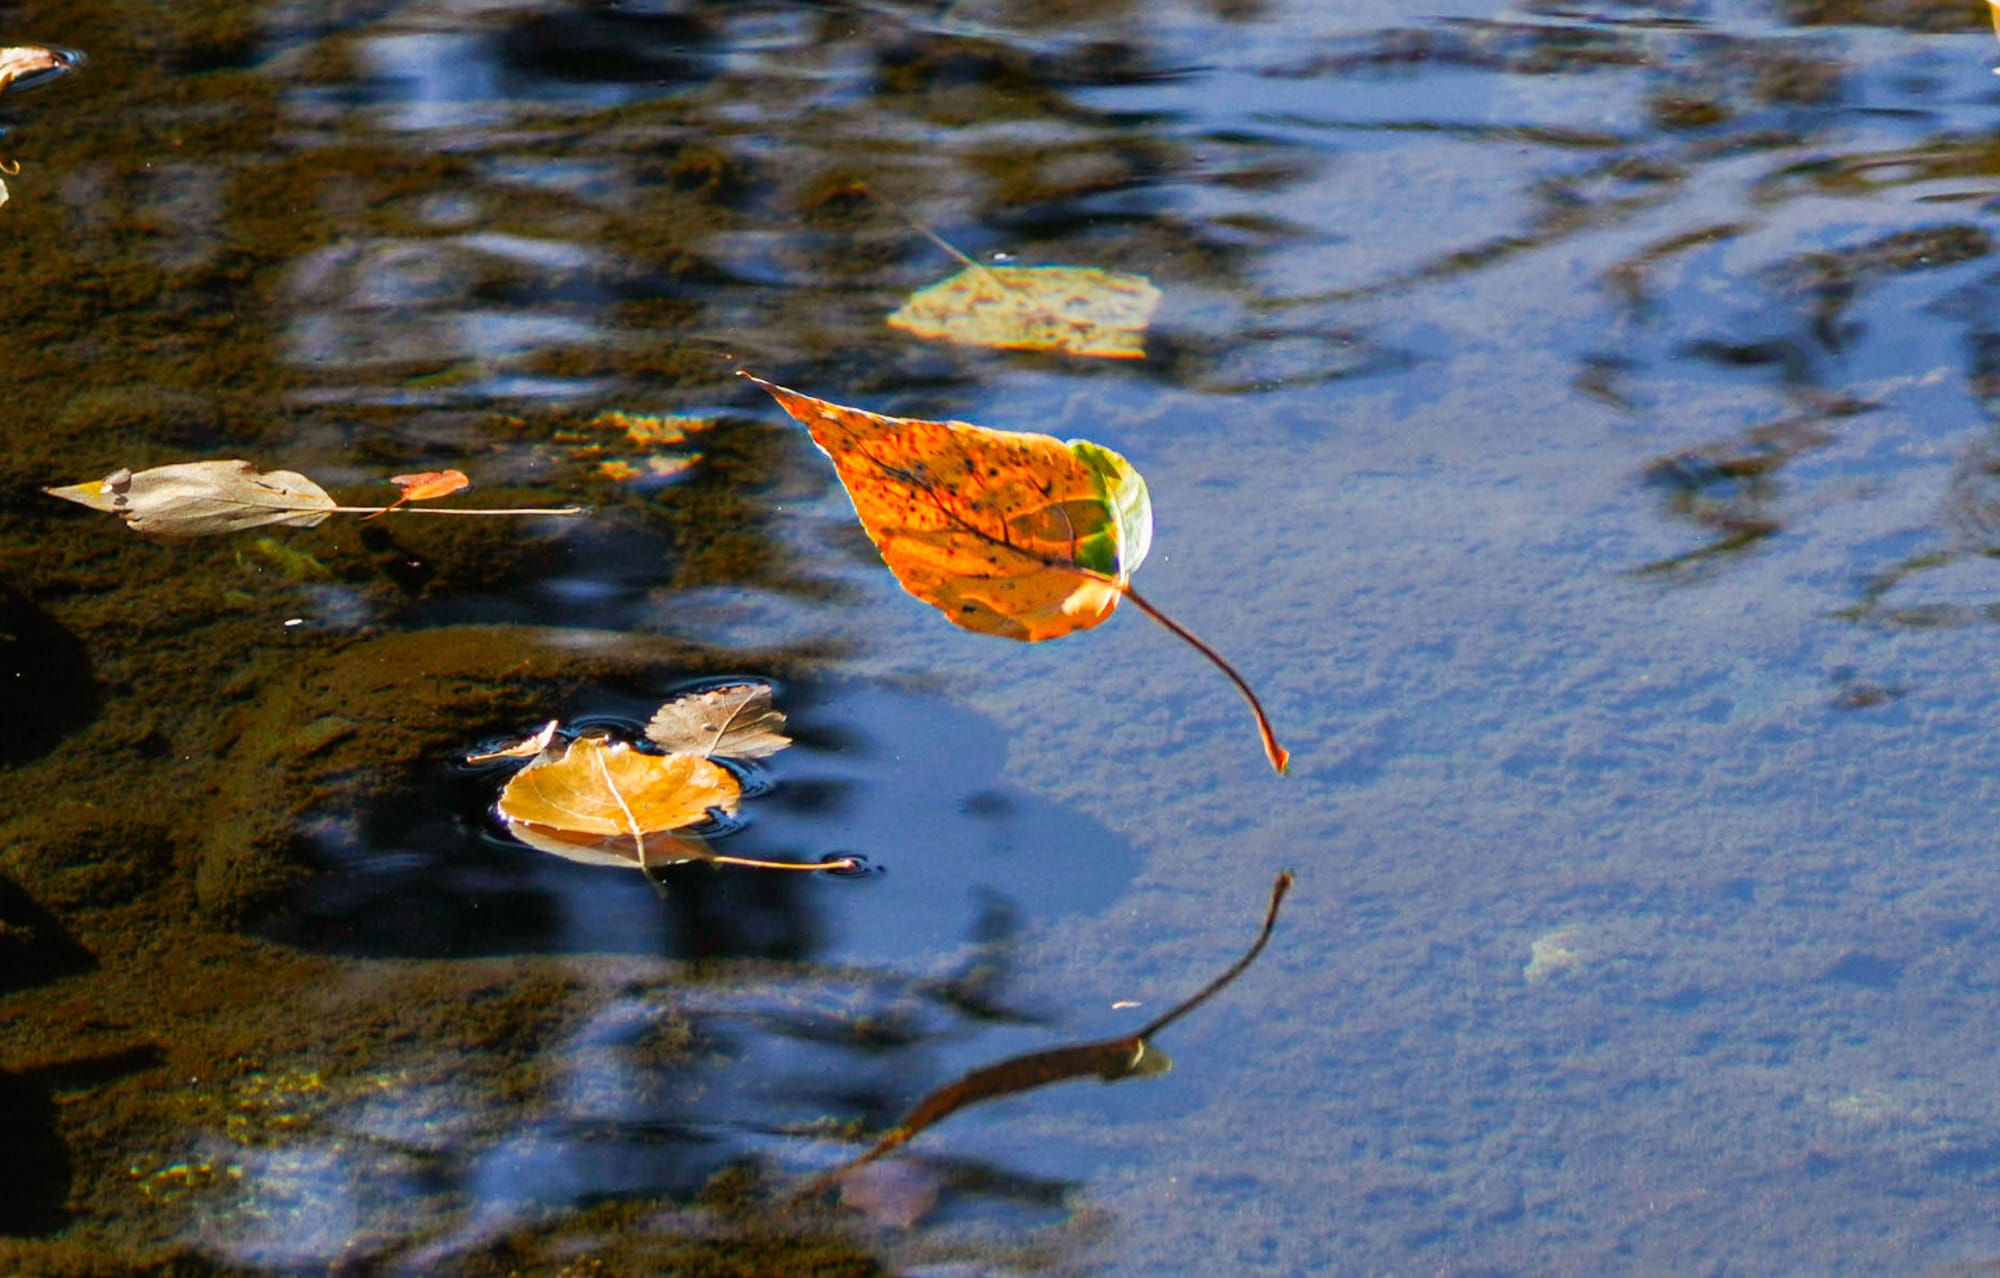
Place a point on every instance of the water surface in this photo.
(1577, 420)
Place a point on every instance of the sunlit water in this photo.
(1576, 421)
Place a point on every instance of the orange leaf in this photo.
(1005, 532)
(27, 61)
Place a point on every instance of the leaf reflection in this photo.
(1109, 1060)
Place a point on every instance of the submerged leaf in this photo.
(1080, 310)
(526, 748)
(192, 499)
(608, 804)
(737, 722)
(1006, 532)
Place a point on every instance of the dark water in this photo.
(1578, 420)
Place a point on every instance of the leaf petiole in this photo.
(399, 509)
(1280, 757)
(844, 863)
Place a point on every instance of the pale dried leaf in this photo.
(601, 801)
(525, 748)
(194, 499)
(27, 59)
(737, 722)
(1080, 310)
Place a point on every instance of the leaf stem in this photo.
(400, 509)
(845, 863)
(1280, 757)
(915, 225)
(1279, 887)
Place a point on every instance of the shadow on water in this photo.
(34, 1175)
(34, 945)
(903, 779)
(52, 690)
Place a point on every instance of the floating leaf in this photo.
(737, 722)
(1005, 532)
(656, 442)
(618, 851)
(526, 748)
(1080, 310)
(652, 431)
(31, 64)
(1111, 1059)
(424, 487)
(606, 803)
(195, 499)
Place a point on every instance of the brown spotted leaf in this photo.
(1006, 532)
(605, 803)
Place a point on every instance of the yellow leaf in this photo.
(606, 803)
(30, 62)
(1080, 310)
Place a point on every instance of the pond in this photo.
(1578, 421)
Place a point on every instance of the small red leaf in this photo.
(430, 484)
